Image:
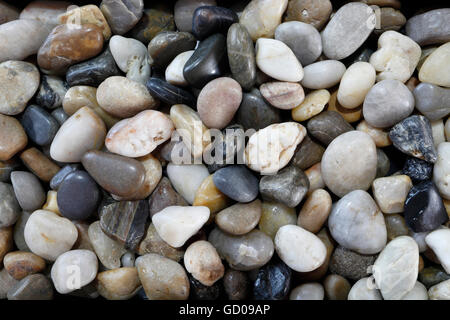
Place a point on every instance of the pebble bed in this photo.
(111, 112)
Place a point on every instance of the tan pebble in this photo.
(436, 69)
(51, 204)
(314, 175)
(315, 210)
(20, 264)
(12, 137)
(6, 241)
(349, 115)
(336, 287)
(390, 192)
(379, 136)
(274, 216)
(283, 95)
(152, 243)
(203, 262)
(313, 104)
(118, 284)
(240, 218)
(209, 196)
(83, 240)
(39, 164)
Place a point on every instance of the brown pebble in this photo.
(349, 115)
(152, 243)
(20, 264)
(313, 12)
(12, 137)
(6, 241)
(164, 196)
(336, 287)
(39, 164)
(118, 284)
(315, 211)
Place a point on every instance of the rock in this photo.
(199, 291)
(308, 291)
(209, 196)
(347, 30)
(60, 115)
(45, 11)
(19, 239)
(207, 62)
(239, 218)
(396, 58)
(314, 175)
(307, 153)
(389, 19)
(336, 287)
(273, 281)
(313, 104)
(328, 125)
(9, 206)
(315, 211)
(395, 226)
(355, 84)
(343, 174)
(438, 132)
(357, 224)
(6, 241)
(235, 284)
(152, 243)
(186, 179)
(255, 113)
(241, 56)
(6, 282)
(442, 170)
(139, 135)
(108, 251)
(435, 70)
(418, 170)
(203, 262)
(39, 164)
(61, 175)
(6, 167)
(283, 95)
(315, 13)
(84, 129)
(429, 27)
(128, 259)
(39, 125)
(437, 240)
(153, 21)
(69, 44)
(208, 20)
(32, 287)
(396, 268)
(32, 34)
(440, 291)
(174, 71)
(413, 136)
(301, 250)
(93, 71)
(28, 190)
(118, 284)
(51, 92)
(323, 74)
(349, 115)
(274, 216)
(431, 276)
(164, 196)
(256, 248)
(390, 192)
(379, 136)
(236, 182)
(277, 60)
(48, 235)
(51, 204)
(261, 17)
(350, 264)
(122, 15)
(363, 289)
(84, 261)
(78, 196)
(9, 13)
(387, 103)
(166, 45)
(184, 12)
(424, 209)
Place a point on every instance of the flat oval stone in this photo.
(245, 252)
(432, 101)
(283, 95)
(347, 30)
(39, 125)
(85, 131)
(32, 287)
(164, 196)
(430, 27)
(418, 170)
(9, 207)
(20, 264)
(174, 71)
(184, 12)
(237, 182)
(153, 21)
(435, 69)
(169, 93)
(28, 190)
(12, 137)
(356, 82)
(424, 209)
(323, 74)
(314, 103)
(328, 125)
(186, 179)
(308, 291)
(441, 171)
(166, 45)
(350, 264)
(241, 56)
(313, 12)
(208, 20)
(49, 235)
(108, 250)
(122, 15)
(78, 196)
(207, 62)
(118, 284)
(51, 92)
(387, 103)
(357, 224)
(273, 281)
(19, 81)
(239, 218)
(203, 262)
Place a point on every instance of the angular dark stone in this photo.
(350, 264)
(418, 170)
(207, 62)
(166, 45)
(273, 281)
(153, 21)
(92, 72)
(424, 209)
(60, 115)
(255, 113)
(169, 93)
(199, 291)
(236, 284)
(208, 20)
(289, 186)
(164, 196)
(431, 276)
(307, 154)
(125, 221)
(39, 125)
(51, 92)
(414, 137)
(237, 182)
(78, 196)
(32, 287)
(328, 125)
(61, 175)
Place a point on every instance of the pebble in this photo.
(201, 292)
(208, 20)
(277, 60)
(357, 224)
(283, 95)
(275, 215)
(289, 186)
(307, 153)
(176, 224)
(441, 171)
(396, 58)
(240, 218)
(390, 192)
(313, 12)
(246, 252)
(314, 103)
(347, 30)
(19, 238)
(162, 278)
(9, 13)
(383, 163)
(174, 71)
(308, 291)
(389, 19)
(51, 92)
(418, 170)
(153, 21)
(49, 235)
(350, 264)
(356, 82)
(315, 211)
(209, 196)
(429, 27)
(152, 243)
(387, 103)
(78, 195)
(336, 287)
(28, 190)
(164, 196)
(6, 167)
(395, 226)
(314, 175)
(236, 284)
(435, 69)
(51, 203)
(361, 290)
(328, 125)
(203, 262)
(396, 268)
(438, 132)
(108, 250)
(323, 74)
(32, 287)
(60, 115)
(39, 125)
(437, 241)
(122, 15)
(440, 291)
(39, 164)
(349, 115)
(93, 71)
(237, 182)
(300, 249)
(255, 113)
(118, 284)
(6, 241)
(379, 136)
(207, 61)
(61, 175)
(9, 206)
(432, 275)
(139, 135)
(184, 12)
(69, 44)
(6, 281)
(273, 281)
(166, 45)
(241, 56)
(84, 129)
(84, 261)
(414, 137)
(187, 179)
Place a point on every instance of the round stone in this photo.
(429, 27)
(20, 264)
(350, 264)
(208, 20)
(275, 215)
(336, 287)
(323, 74)
(432, 101)
(437, 241)
(152, 243)
(363, 289)
(355, 84)
(327, 125)
(440, 291)
(237, 182)
(379, 136)
(28, 190)
(39, 164)
(203, 262)
(273, 281)
(239, 218)
(307, 153)
(435, 70)
(12, 137)
(108, 250)
(209, 196)
(283, 95)
(164, 196)
(315, 211)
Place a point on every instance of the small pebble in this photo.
(308, 291)
(28, 190)
(51, 92)
(390, 192)
(152, 243)
(328, 125)
(239, 218)
(203, 262)
(312, 105)
(184, 12)
(323, 74)
(275, 215)
(418, 170)
(313, 12)
(429, 27)
(118, 284)
(379, 136)
(441, 170)
(39, 164)
(273, 281)
(153, 21)
(236, 284)
(356, 82)
(122, 15)
(336, 287)
(166, 45)
(440, 291)
(208, 20)
(350, 264)
(174, 71)
(186, 179)
(282, 95)
(236, 182)
(9, 206)
(315, 211)
(39, 125)
(164, 196)
(361, 290)
(432, 101)
(307, 153)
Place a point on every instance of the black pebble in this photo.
(208, 20)
(273, 281)
(418, 170)
(39, 125)
(169, 93)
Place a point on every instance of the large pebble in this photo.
(435, 69)
(20, 264)
(9, 206)
(432, 101)
(208, 20)
(28, 190)
(122, 15)
(430, 27)
(355, 84)
(441, 171)
(203, 262)
(237, 182)
(239, 218)
(323, 74)
(108, 251)
(390, 192)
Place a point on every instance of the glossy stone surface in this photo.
(313, 12)
(166, 45)
(307, 153)
(328, 125)
(184, 11)
(118, 284)
(273, 282)
(323, 74)
(164, 196)
(208, 20)
(12, 138)
(61, 175)
(39, 125)
(435, 69)
(312, 105)
(122, 15)
(153, 21)
(39, 164)
(239, 218)
(169, 93)
(237, 182)
(51, 92)
(418, 170)
(275, 215)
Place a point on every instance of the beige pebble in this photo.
(379, 136)
(283, 95)
(308, 291)
(51, 204)
(209, 196)
(355, 83)
(203, 262)
(313, 104)
(20, 264)
(118, 284)
(390, 192)
(436, 69)
(315, 211)
(108, 251)
(240, 218)
(314, 175)
(438, 131)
